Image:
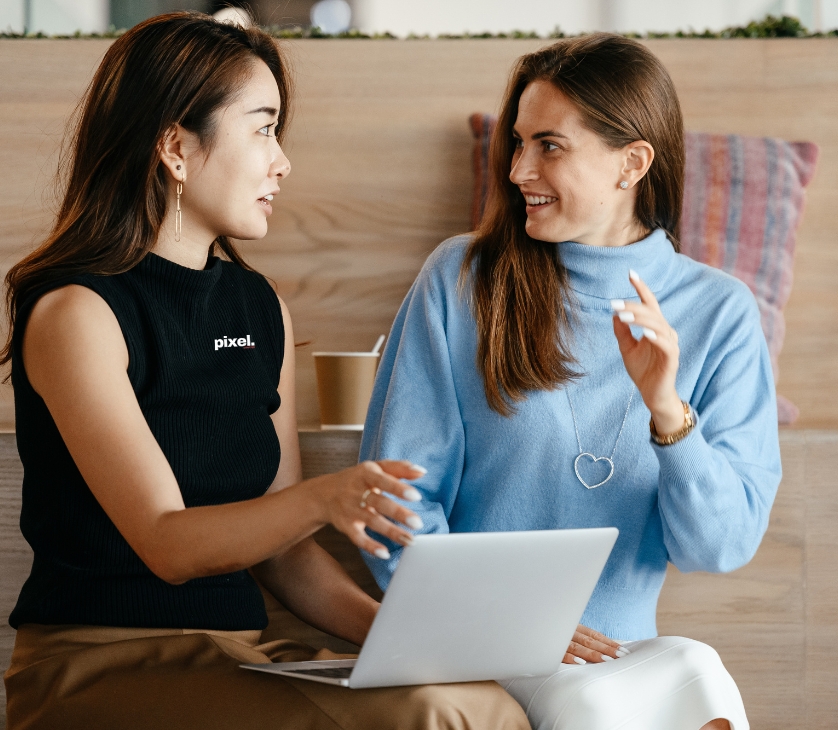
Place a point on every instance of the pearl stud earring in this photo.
(623, 184)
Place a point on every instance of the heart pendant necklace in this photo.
(582, 453)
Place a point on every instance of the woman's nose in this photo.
(281, 167)
(523, 169)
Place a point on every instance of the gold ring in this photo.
(367, 493)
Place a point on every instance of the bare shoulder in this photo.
(69, 313)
(286, 315)
(71, 326)
(68, 303)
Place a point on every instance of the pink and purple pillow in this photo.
(743, 200)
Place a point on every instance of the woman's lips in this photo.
(266, 202)
(538, 207)
(538, 202)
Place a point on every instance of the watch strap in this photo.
(668, 440)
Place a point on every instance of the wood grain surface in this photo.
(380, 150)
(774, 622)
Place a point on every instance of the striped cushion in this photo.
(743, 199)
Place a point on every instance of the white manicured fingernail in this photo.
(626, 317)
(579, 660)
(382, 553)
(622, 652)
(421, 469)
(412, 495)
(607, 658)
(633, 275)
(650, 334)
(618, 305)
(415, 522)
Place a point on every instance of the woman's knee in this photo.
(697, 656)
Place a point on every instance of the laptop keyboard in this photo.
(333, 673)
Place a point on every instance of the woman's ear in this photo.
(637, 160)
(173, 151)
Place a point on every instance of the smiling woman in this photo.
(570, 199)
(154, 394)
(587, 135)
(513, 373)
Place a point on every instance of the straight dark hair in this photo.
(518, 285)
(179, 68)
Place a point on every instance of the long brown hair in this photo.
(179, 68)
(519, 287)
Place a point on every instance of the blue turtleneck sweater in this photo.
(701, 503)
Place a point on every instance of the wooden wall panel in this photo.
(40, 85)
(380, 151)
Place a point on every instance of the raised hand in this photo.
(651, 361)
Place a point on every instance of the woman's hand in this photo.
(651, 361)
(353, 499)
(591, 646)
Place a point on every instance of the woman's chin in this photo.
(545, 232)
(252, 232)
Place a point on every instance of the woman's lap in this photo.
(94, 677)
(194, 680)
(668, 683)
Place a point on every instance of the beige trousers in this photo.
(108, 678)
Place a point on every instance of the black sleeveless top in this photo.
(205, 351)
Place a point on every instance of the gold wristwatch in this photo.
(689, 425)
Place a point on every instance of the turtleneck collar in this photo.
(602, 272)
(182, 278)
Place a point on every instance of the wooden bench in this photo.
(773, 621)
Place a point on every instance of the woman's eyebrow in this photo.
(265, 110)
(549, 133)
(541, 135)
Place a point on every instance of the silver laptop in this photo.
(473, 606)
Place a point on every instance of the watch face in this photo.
(688, 413)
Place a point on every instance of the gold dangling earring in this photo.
(178, 219)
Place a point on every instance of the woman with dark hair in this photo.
(566, 367)
(154, 390)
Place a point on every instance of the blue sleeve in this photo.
(414, 412)
(717, 485)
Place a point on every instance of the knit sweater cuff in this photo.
(683, 458)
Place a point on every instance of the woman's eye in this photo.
(519, 143)
(549, 146)
(267, 130)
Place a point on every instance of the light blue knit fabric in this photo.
(702, 503)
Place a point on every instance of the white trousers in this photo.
(667, 683)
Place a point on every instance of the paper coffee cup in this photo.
(344, 388)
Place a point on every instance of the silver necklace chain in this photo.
(582, 452)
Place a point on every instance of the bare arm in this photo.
(306, 579)
(76, 360)
(314, 587)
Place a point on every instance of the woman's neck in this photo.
(187, 252)
(615, 234)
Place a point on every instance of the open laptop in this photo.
(473, 606)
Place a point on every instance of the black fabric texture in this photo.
(208, 404)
